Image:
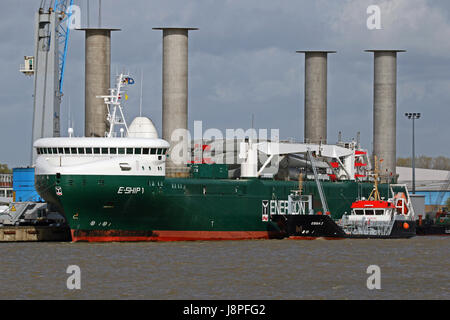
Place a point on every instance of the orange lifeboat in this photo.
(400, 203)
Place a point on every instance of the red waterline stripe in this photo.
(173, 236)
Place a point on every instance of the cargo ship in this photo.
(116, 188)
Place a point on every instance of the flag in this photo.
(128, 80)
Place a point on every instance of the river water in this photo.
(416, 268)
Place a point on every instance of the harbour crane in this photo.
(52, 29)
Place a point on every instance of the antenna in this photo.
(70, 114)
(70, 126)
(140, 102)
(253, 128)
(88, 22)
(358, 140)
(99, 13)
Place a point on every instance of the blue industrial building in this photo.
(23, 185)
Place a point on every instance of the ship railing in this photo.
(366, 227)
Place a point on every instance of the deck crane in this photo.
(47, 65)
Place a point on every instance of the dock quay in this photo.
(34, 233)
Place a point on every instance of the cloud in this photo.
(242, 61)
(416, 25)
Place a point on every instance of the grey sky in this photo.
(243, 61)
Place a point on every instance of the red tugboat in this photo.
(374, 217)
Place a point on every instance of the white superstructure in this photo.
(138, 150)
(103, 156)
(344, 163)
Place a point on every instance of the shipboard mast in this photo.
(375, 192)
(114, 101)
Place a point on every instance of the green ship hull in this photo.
(144, 208)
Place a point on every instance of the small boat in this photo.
(374, 217)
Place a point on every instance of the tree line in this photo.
(438, 163)
(4, 168)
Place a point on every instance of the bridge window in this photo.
(38, 150)
(369, 212)
(80, 150)
(137, 151)
(379, 212)
(152, 151)
(67, 150)
(129, 150)
(359, 212)
(60, 150)
(121, 150)
(55, 150)
(145, 151)
(112, 150)
(104, 150)
(73, 150)
(96, 150)
(88, 150)
(160, 151)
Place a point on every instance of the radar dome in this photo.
(142, 127)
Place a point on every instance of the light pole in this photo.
(413, 116)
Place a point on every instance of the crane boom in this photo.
(63, 31)
(52, 28)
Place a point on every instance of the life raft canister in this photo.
(400, 203)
